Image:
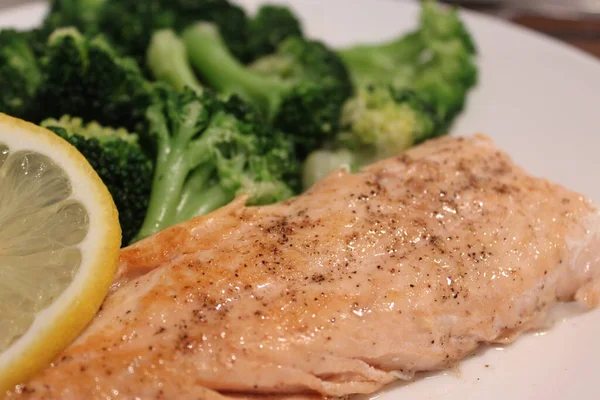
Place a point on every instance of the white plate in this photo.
(540, 101)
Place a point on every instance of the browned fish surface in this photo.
(407, 266)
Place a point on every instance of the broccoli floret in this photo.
(20, 73)
(300, 89)
(270, 26)
(446, 76)
(130, 24)
(441, 24)
(84, 77)
(437, 61)
(81, 14)
(208, 152)
(379, 122)
(382, 121)
(168, 61)
(119, 161)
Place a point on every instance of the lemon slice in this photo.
(59, 247)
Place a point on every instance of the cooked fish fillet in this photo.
(406, 266)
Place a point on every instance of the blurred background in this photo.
(576, 22)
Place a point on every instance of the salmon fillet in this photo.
(367, 278)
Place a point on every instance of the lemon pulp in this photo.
(40, 228)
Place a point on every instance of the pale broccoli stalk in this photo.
(167, 59)
(321, 163)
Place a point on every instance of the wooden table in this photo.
(582, 32)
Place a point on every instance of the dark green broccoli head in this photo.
(311, 113)
(119, 161)
(300, 89)
(81, 14)
(130, 24)
(317, 83)
(84, 77)
(271, 26)
(301, 60)
(20, 73)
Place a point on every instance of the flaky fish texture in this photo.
(367, 278)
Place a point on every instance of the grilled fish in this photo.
(406, 266)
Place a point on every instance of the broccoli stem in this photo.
(183, 161)
(200, 200)
(168, 61)
(195, 183)
(171, 173)
(210, 56)
(321, 163)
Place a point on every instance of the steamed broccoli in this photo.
(382, 121)
(324, 161)
(391, 62)
(130, 24)
(300, 89)
(81, 14)
(84, 77)
(379, 122)
(437, 61)
(119, 161)
(270, 26)
(208, 152)
(20, 73)
(168, 61)
(410, 89)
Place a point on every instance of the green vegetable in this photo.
(206, 150)
(85, 77)
(119, 161)
(300, 88)
(391, 62)
(270, 26)
(321, 163)
(81, 14)
(379, 122)
(195, 152)
(130, 24)
(168, 61)
(410, 89)
(20, 73)
(436, 61)
(207, 153)
(382, 121)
